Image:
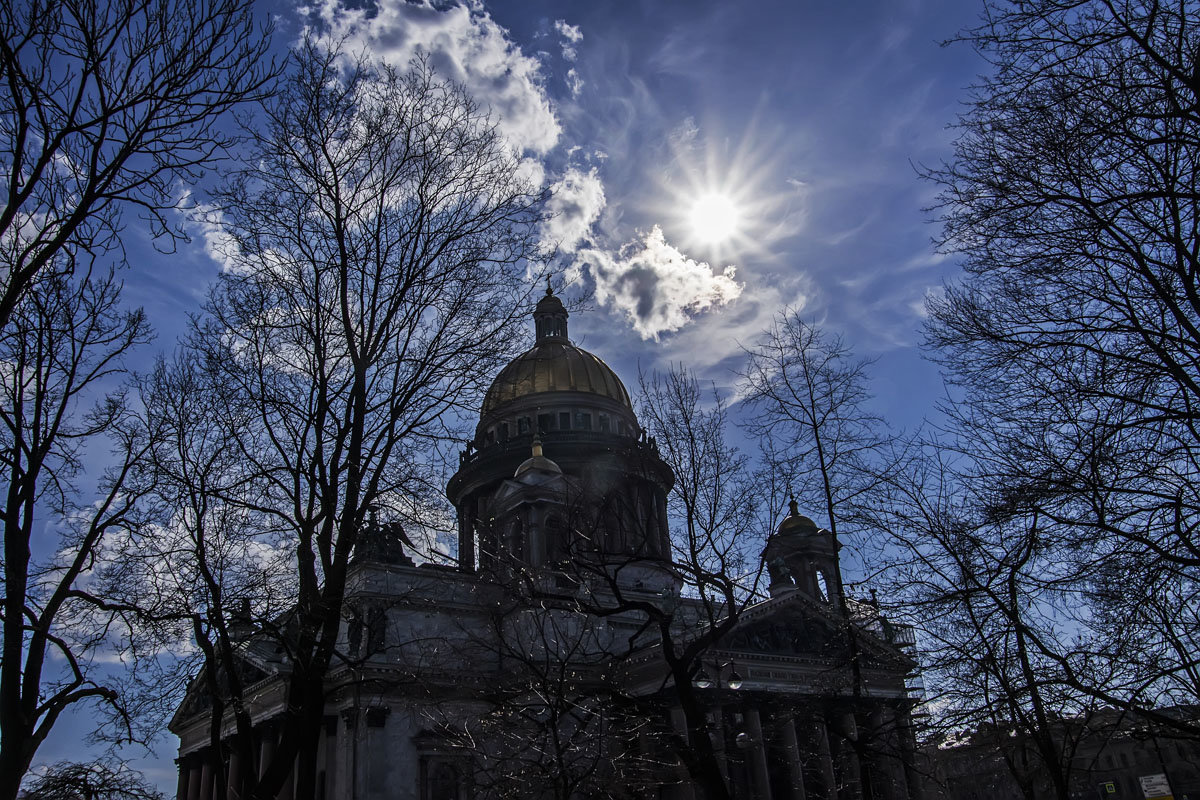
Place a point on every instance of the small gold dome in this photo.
(796, 523)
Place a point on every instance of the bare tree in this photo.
(555, 724)
(1073, 341)
(806, 398)
(91, 781)
(987, 593)
(108, 106)
(378, 239)
(194, 560)
(61, 352)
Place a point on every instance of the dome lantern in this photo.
(550, 317)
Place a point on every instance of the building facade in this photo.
(531, 669)
(1107, 755)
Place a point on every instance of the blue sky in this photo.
(805, 118)
(809, 117)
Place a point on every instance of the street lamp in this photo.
(702, 680)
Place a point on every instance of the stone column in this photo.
(466, 542)
(825, 757)
(206, 776)
(181, 780)
(233, 783)
(757, 755)
(849, 767)
(791, 749)
(288, 792)
(908, 755)
(890, 762)
(194, 770)
(266, 748)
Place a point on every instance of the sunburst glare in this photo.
(724, 198)
(714, 217)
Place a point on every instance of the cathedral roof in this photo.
(553, 364)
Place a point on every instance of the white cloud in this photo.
(207, 222)
(574, 82)
(574, 206)
(657, 287)
(464, 44)
(708, 344)
(571, 36)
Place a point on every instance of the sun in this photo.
(714, 217)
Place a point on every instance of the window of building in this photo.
(564, 420)
(583, 421)
(822, 586)
(604, 423)
(504, 431)
(522, 425)
(354, 632)
(545, 421)
(442, 779)
(376, 630)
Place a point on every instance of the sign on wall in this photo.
(1155, 787)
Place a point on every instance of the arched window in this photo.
(515, 543)
(822, 586)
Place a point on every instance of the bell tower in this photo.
(800, 555)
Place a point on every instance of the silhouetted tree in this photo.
(61, 361)
(1073, 341)
(984, 593)
(806, 399)
(91, 781)
(106, 107)
(378, 234)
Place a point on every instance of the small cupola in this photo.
(550, 317)
(801, 555)
(537, 462)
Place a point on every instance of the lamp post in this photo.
(743, 739)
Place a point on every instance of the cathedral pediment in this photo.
(800, 626)
(791, 636)
(198, 699)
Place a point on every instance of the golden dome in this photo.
(554, 365)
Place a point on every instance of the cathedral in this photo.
(566, 655)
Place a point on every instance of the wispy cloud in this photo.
(571, 36)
